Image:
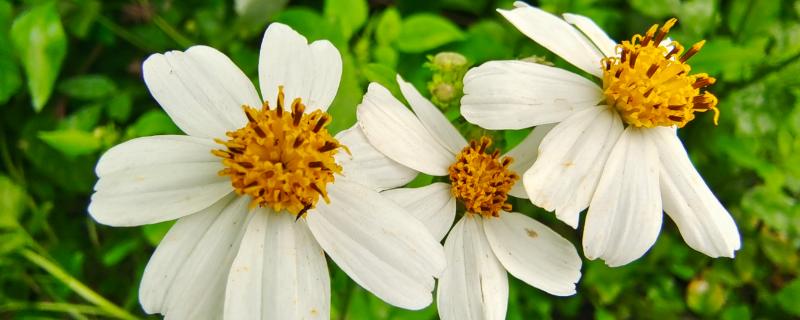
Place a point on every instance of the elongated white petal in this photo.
(310, 72)
(433, 205)
(519, 94)
(624, 218)
(368, 166)
(279, 273)
(474, 286)
(185, 277)
(592, 31)
(702, 220)
(556, 35)
(154, 179)
(524, 155)
(155, 150)
(533, 253)
(432, 118)
(570, 160)
(378, 244)
(396, 132)
(201, 89)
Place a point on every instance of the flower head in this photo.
(613, 148)
(490, 240)
(245, 184)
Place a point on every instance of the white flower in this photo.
(614, 149)
(248, 254)
(488, 241)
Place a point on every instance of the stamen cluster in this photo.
(650, 83)
(283, 160)
(482, 180)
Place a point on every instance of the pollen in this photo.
(650, 85)
(482, 180)
(282, 159)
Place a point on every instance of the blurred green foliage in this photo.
(70, 87)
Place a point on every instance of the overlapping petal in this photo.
(520, 94)
(624, 218)
(368, 166)
(432, 118)
(433, 205)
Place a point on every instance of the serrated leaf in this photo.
(88, 87)
(348, 15)
(10, 79)
(71, 143)
(41, 44)
(424, 31)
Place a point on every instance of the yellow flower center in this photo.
(482, 180)
(282, 159)
(649, 84)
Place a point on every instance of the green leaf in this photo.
(310, 24)
(153, 233)
(119, 251)
(343, 107)
(152, 123)
(88, 87)
(85, 119)
(10, 79)
(656, 8)
(383, 75)
(425, 31)
(81, 17)
(348, 15)
(40, 43)
(789, 297)
(12, 203)
(71, 143)
(389, 26)
(750, 18)
(119, 107)
(732, 60)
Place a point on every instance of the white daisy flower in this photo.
(245, 186)
(614, 149)
(489, 240)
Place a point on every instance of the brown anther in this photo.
(328, 146)
(652, 70)
(693, 50)
(676, 118)
(320, 123)
(664, 30)
(315, 164)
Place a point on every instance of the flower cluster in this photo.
(245, 182)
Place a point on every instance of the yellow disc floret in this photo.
(482, 180)
(283, 160)
(650, 85)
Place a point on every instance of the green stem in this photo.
(171, 32)
(81, 289)
(125, 34)
(75, 309)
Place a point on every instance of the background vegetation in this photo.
(71, 87)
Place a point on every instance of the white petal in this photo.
(154, 150)
(310, 72)
(378, 244)
(279, 273)
(185, 277)
(201, 89)
(474, 286)
(396, 132)
(524, 155)
(624, 218)
(702, 220)
(533, 253)
(570, 160)
(433, 205)
(519, 94)
(556, 35)
(599, 37)
(368, 166)
(154, 179)
(432, 118)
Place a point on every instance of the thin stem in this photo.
(75, 309)
(171, 32)
(76, 286)
(124, 34)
